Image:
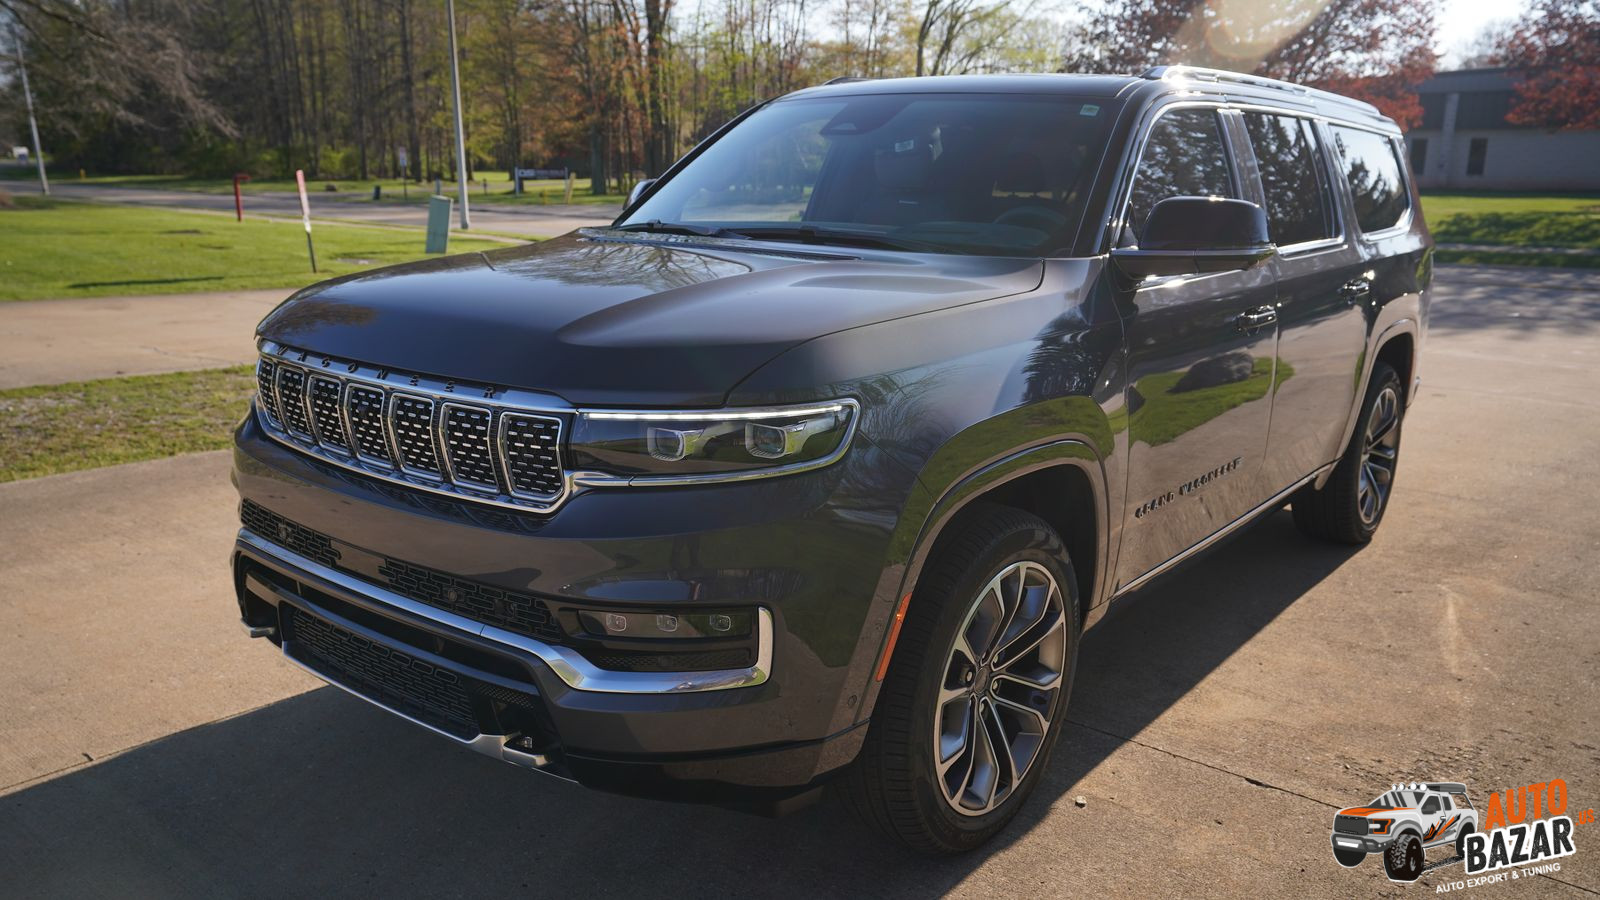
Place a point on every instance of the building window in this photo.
(1419, 155)
(1476, 151)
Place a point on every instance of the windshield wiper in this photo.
(811, 234)
(656, 226)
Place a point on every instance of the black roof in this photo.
(1161, 80)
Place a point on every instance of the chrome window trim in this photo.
(568, 664)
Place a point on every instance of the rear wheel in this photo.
(1461, 840)
(1350, 506)
(977, 689)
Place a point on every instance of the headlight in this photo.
(713, 445)
(1378, 826)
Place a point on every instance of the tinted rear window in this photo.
(1293, 178)
(1373, 170)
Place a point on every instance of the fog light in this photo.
(668, 626)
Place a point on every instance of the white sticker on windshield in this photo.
(905, 146)
(1089, 109)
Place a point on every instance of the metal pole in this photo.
(27, 93)
(461, 134)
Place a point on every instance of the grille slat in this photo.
(530, 446)
(267, 390)
(503, 455)
(364, 405)
(1350, 824)
(412, 421)
(292, 400)
(468, 445)
(326, 415)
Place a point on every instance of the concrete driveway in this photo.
(1219, 719)
(530, 221)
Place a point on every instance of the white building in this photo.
(1465, 142)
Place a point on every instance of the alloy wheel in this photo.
(999, 688)
(1380, 451)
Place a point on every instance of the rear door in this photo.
(1322, 283)
(1199, 366)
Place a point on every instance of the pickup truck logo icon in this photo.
(1402, 824)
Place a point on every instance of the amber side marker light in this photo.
(894, 635)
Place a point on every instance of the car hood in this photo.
(1372, 810)
(596, 318)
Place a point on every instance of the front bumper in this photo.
(755, 739)
(1361, 842)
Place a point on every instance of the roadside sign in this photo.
(517, 175)
(438, 224)
(404, 161)
(305, 214)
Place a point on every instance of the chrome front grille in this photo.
(477, 442)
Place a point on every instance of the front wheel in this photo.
(977, 688)
(1348, 858)
(1403, 860)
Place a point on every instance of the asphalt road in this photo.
(529, 221)
(1219, 719)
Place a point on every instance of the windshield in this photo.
(992, 174)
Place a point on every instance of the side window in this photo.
(1444, 803)
(1183, 157)
(1477, 154)
(1431, 806)
(1373, 170)
(1293, 178)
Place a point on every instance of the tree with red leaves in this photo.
(1556, 50)
(1374, 50)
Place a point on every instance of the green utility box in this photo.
(438, 223)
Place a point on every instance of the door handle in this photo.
(1355, 289)
(1252, 320)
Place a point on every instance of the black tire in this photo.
(1403, 860)
(1338, 512)
(1348, 858)
(894, 785)
(1461, 840)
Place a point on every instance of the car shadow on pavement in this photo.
(321, 794)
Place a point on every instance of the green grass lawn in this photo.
(66, 427)
(18, 180)
(1513, 221)
(54, 249)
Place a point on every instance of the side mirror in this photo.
(638, 191)
(1198, 235)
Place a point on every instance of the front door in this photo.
(1200, 363)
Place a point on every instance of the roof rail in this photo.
(1199, 73)
(846, 79)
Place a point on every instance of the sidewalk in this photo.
(56, 341)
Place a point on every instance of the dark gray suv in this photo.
(819, 461)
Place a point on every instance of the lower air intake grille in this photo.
(398, 680)
(286, 534)
(479, 602)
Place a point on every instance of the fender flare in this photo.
(1075, 452)
(1406, 325)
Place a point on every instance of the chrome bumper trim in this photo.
(568, 665)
